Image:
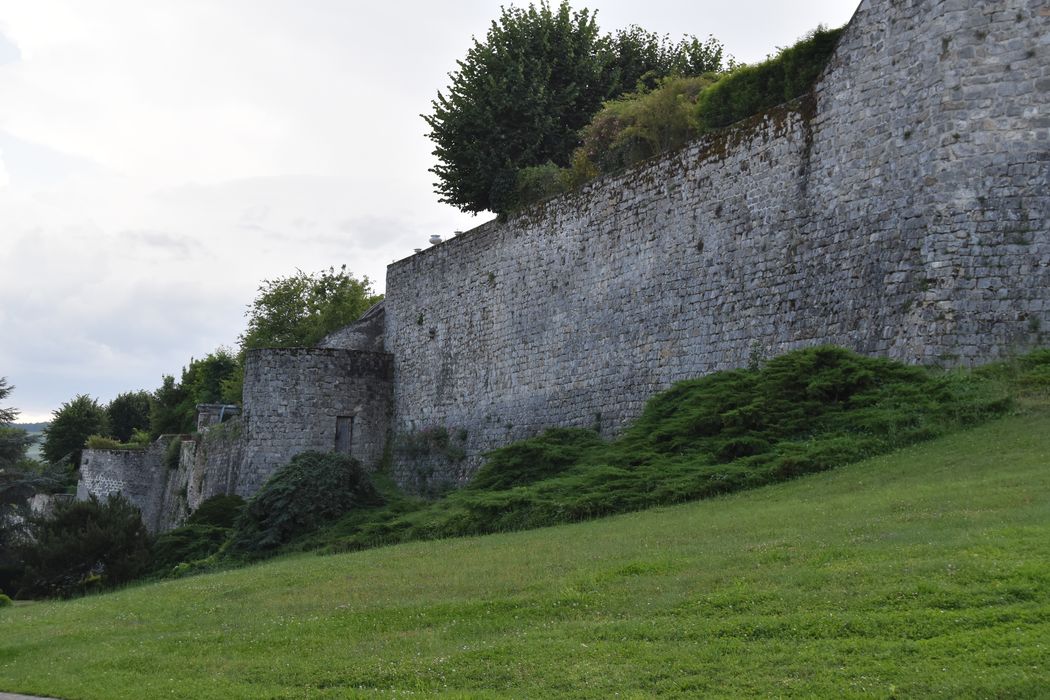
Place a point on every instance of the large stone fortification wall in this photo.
(900, 210)
(294, 399)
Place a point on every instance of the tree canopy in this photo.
(70, 428)
(173, 406)
(301, 309)
(84, 546)
(13, 441)
(520, 97)
(7, 415)
(127, 413)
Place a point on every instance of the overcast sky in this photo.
(158, 158)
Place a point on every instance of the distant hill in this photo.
(36, 430)
(31, 428)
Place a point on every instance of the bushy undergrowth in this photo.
(83, 546)
(677, 110)
(528, 461)
(186, 545)
(803, 412)
(311, 491)
(217, 511)
(205, 532)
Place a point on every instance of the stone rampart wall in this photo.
(137, 474)
(364, 334)
(293, 398)
(899, 210)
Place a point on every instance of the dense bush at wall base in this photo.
(186, 544)
(311, 491)
(206, 531)
(804, 412)
(217, 511)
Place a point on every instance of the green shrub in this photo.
(173, 453)
(140, 438)
(5, 601)
(217, 511)
(536, 458)
(103, 442)
(641, 125)
(667, 113)
(751, 90)
(806, 411)
(186, 544)
(539, 182)
(311, 491)
(83, 546)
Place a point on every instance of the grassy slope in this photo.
(925, 573)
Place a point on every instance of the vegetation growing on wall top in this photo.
(675, 111)
(520, 96)
(301, 309)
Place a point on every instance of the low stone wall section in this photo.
(137, 474)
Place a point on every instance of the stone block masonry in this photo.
(137, 474)
(295, 400)
(900, 209)
(321, 399)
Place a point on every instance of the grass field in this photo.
(923, 573)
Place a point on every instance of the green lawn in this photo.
(925, 573)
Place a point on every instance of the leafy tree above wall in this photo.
(520, 96)
(301, 309)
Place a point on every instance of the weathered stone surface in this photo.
(207, 466)
(899, 210)
(137, 474)
(364, 334)
(294, 397)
